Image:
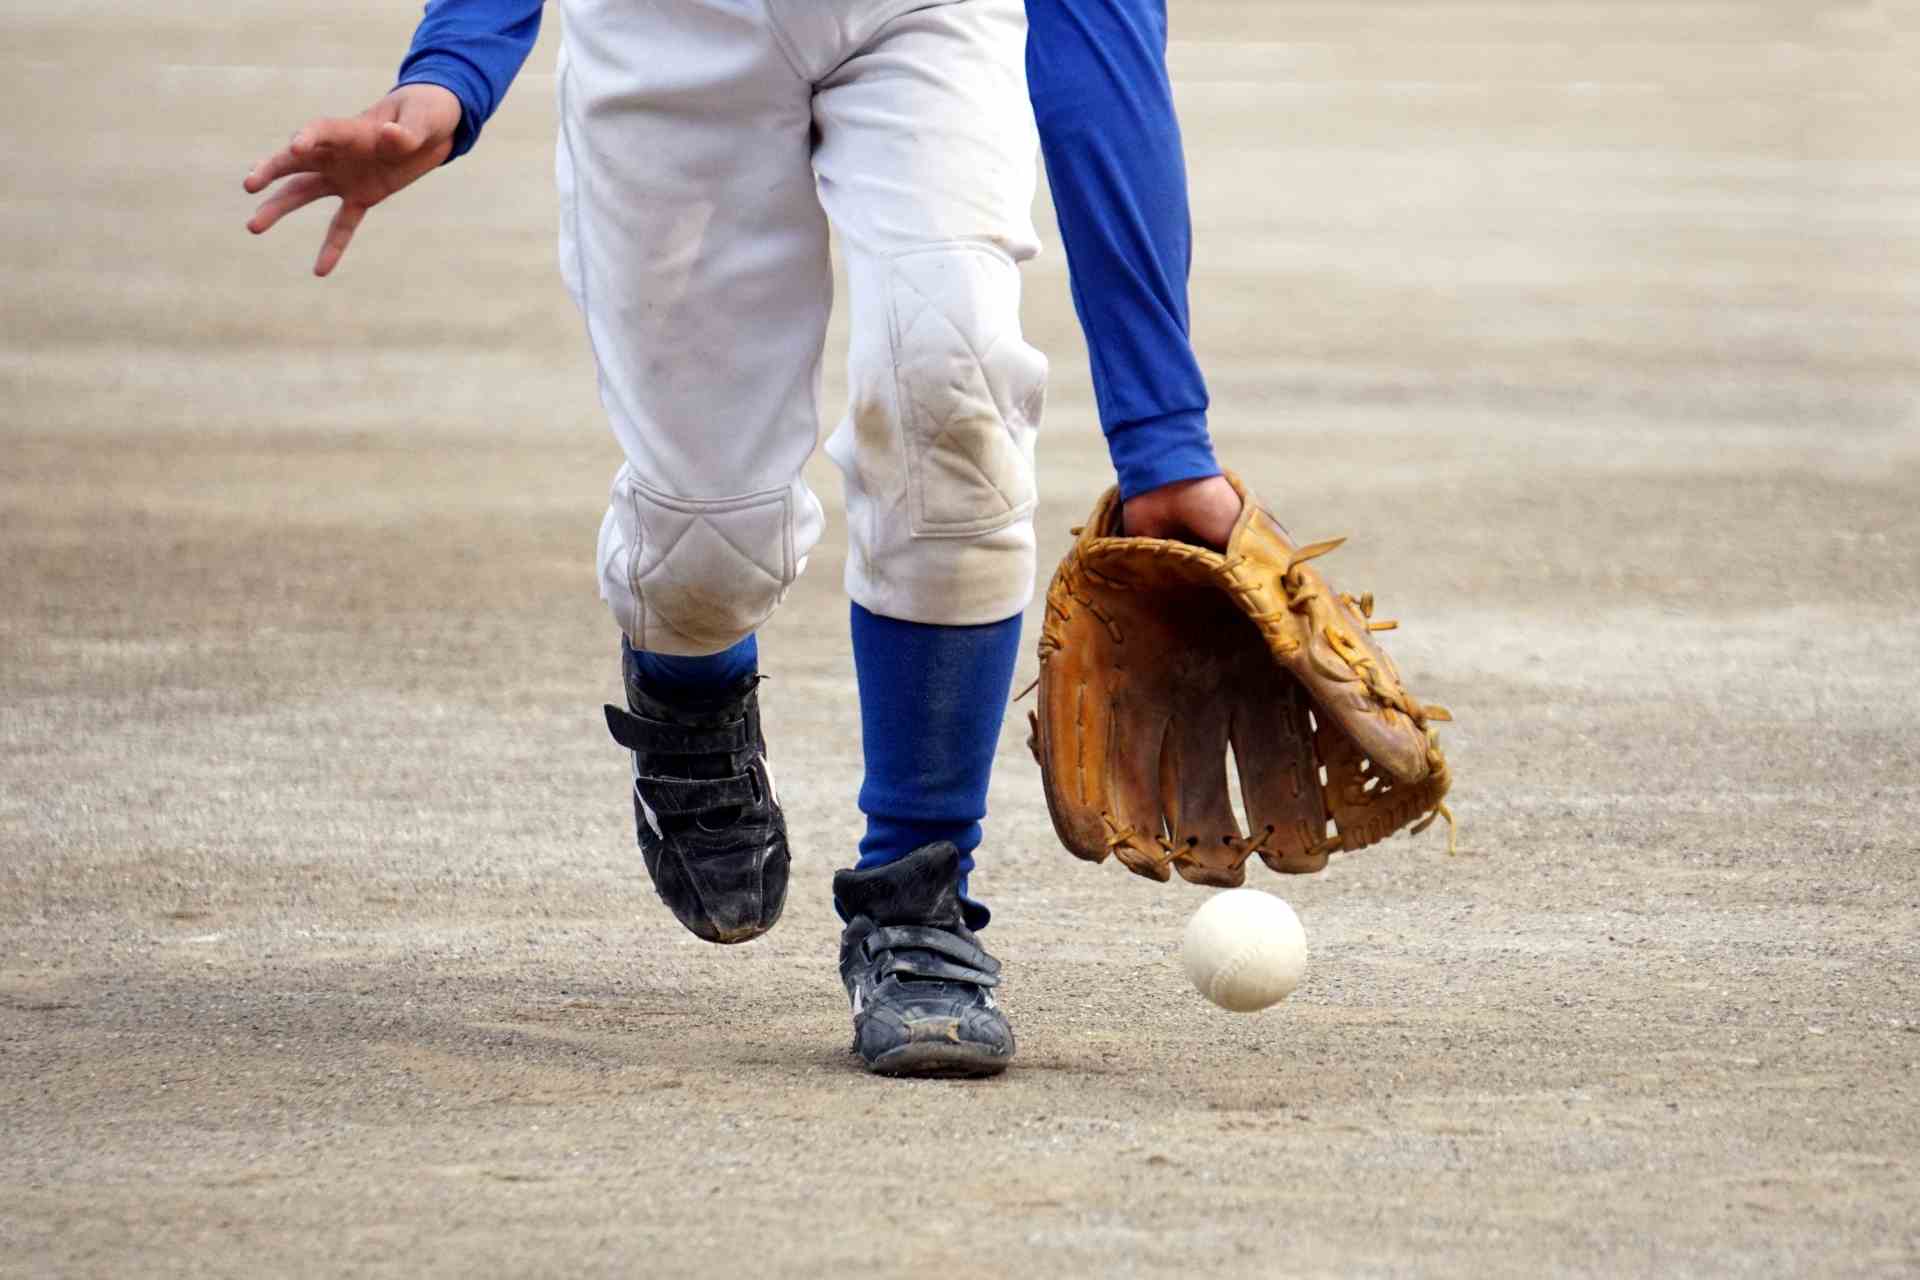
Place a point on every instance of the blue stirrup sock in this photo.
(931, 702)
(669, 677)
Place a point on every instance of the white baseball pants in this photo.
(705, 145)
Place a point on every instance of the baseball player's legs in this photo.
(926, 161)
(697, 253)
(694, 243)
(927, 169)
(695, 246)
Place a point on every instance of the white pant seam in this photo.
(784, 43)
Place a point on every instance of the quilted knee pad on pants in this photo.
(938, 443)
(693, 576)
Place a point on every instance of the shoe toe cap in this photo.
(725, 896)
(977, 1030)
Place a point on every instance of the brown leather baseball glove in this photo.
(1157, 656)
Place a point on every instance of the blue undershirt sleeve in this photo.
(1097, 72)
(473, 48)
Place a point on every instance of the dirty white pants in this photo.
(705, 145)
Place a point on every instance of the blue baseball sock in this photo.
(669, 676)
(931, 702)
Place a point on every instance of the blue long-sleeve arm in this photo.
(473, 48)
(1097, 71)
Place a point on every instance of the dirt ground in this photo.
(324, 947)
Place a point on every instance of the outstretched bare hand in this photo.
(1197, 511)
(361, 159)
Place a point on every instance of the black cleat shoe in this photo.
(921, 986)
(710, 825)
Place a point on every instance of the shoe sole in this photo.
(938, 1061)
(707, 932)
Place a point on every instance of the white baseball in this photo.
(1245, 950)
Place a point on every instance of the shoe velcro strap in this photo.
(683, 796)
(920, 964)
(925, 937)
(642, 733)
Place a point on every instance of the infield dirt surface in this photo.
(324, 946)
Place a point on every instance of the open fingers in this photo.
(339, 235)
(321, 140)
(306, 152)
(317, 144)
(297, 194)
(273, 168)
